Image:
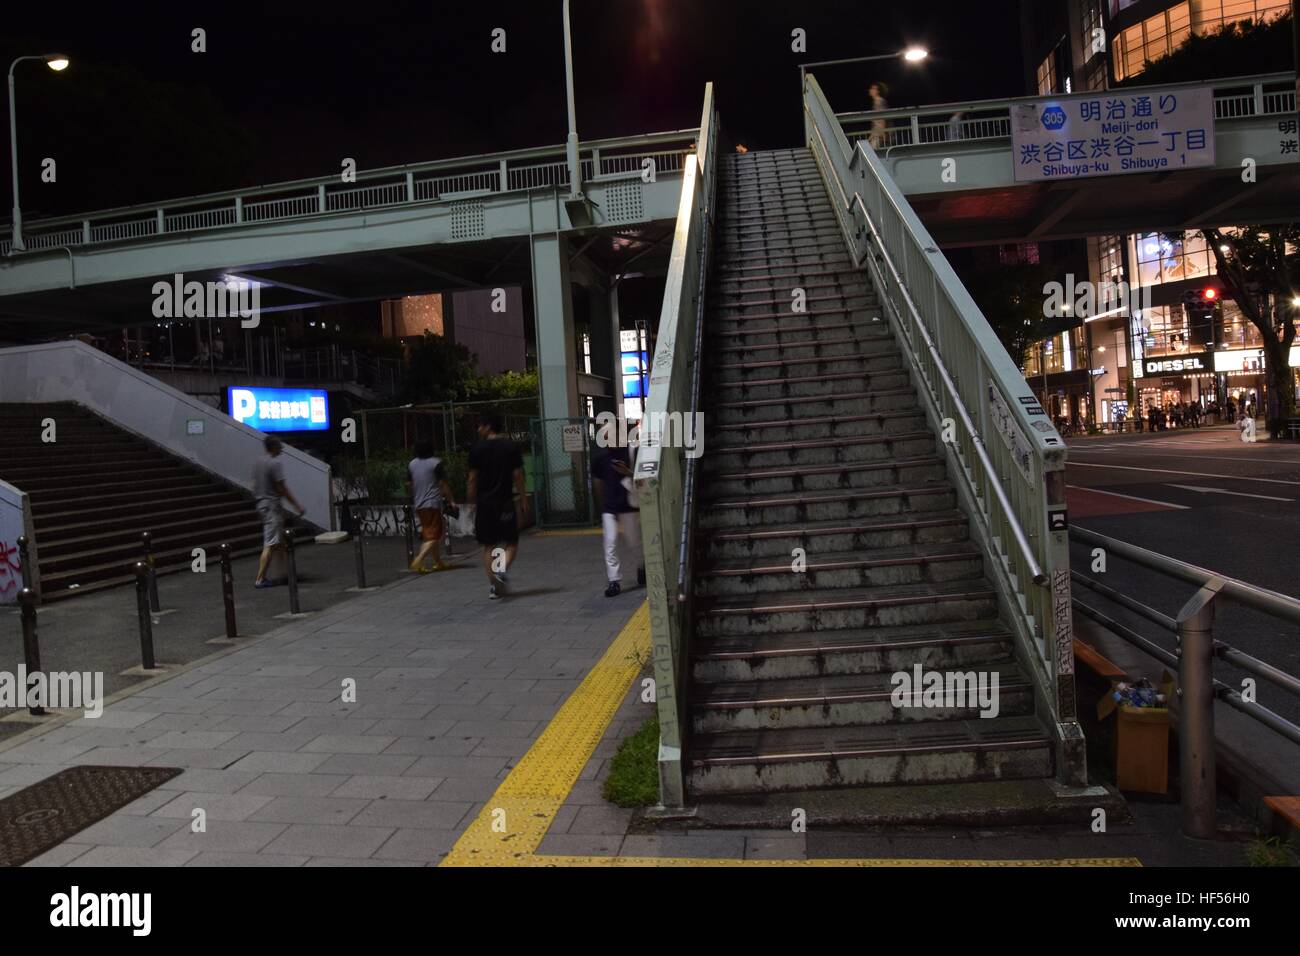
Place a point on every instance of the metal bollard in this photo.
(1196, 712)
(292, 563)
(228, 592)
(409, 514)
(359, 549)
(24, 561)
(147, 540)
(31, 647)
(143, 612)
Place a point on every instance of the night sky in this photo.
(287, 90)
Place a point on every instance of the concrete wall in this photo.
(15, 520)
(75, 372)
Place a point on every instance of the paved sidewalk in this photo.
(451, 690)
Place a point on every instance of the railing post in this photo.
(228, 592)
(505, 177)
(31, 646)
(408, 517)
(595, 162)
(410, 187)
(1196, 762)
(146, 539)
(291, 563)
(24, 561)
(85, 232)
(916, 130)
(359, 548)
(162, 223)
(239, 209)
(320, 197)
(142, 612)
(1259, 99)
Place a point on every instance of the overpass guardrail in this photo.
(446, 180)
(1244, 97)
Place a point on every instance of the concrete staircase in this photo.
(97, 488)
(817, 441)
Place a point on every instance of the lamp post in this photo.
(58, 63)
(575, 171)
(913, 54)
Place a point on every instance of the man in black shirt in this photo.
(496, 487)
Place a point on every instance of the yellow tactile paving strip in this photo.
(514, 821)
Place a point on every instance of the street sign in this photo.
(1111, 133)
(573, 438)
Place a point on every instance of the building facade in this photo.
(1175, 338)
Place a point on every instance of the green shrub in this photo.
(633, 779)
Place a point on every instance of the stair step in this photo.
(790, 481)
(825, 571)
(847, 608)
(826, 537)
(805, 759)
(849, 700)
(739, 413)
(773, 656)
(820, 452)
(750, 434)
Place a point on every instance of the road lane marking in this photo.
(1253, 461)
(1220, 491)
(1173, 471)
(1116, 494)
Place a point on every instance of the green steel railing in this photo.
(663, 469)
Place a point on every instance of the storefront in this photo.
(1166, 381)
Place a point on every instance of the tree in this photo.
(1261, 271)
(1012, 299)
(440, 371)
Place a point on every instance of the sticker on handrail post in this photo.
(1005, 425)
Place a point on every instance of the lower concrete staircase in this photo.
(818, 454)
(96, 489)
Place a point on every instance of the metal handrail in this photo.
(686, 555)
(1017, 532)
(1262, 599)
(1006, 103)
(1198, 689)
(227, 209)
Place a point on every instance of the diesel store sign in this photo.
(1186, 365)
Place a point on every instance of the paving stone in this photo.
(296, 785)
(348, 744)
(489, 767)
(225, 836)
(126, 830)
(715, 845)
(217, 806)
(425, 846)
(387, 787)
(329, 810)
(428, 814)
(331, 841)
(246, 859)
(266, 762)
(116, 856)
(569, 844)
(60, 855)
(607, 820)
(210, 781)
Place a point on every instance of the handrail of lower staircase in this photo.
(1017, 532)
(685, 557)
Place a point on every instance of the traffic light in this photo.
(1200, 306)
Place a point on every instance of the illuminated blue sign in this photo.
(280, 409)
(635, 365)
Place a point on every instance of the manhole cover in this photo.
(45, 814)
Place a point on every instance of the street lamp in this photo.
(58, 63)
(913, 54)
(575, 171)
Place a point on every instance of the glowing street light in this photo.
(58, 63)
(913, 54)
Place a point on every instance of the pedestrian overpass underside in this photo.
(473, 222)
(980, 202)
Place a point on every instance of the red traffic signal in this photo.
(1210, 295)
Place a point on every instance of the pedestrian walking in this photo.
(611, 471)
(877, 92)
(430, 494)
(270, 492)
(496, 488)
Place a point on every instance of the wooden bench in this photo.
(1286, 808)
(1091, 658)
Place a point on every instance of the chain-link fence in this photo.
(375, 473)
(562, 451)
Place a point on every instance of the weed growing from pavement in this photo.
(633, 779)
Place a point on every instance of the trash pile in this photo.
(1140, 694)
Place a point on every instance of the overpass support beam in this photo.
(556, 349)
